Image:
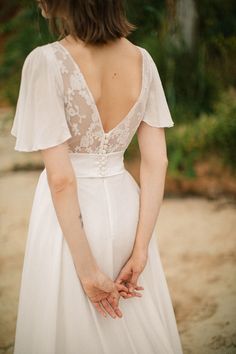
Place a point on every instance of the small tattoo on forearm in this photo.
(81, 220)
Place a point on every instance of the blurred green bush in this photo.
(21, 33)
(213, 134)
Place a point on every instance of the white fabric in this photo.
(54, 97)
(40, 120)
(157, 113)
(97, 165)
(54, 315)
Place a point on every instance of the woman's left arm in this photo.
(40, 124)
(63, 186)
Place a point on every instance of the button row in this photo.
(102, 160)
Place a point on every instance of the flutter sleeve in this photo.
(157, 113)
(40, 120)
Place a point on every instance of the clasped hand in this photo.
(104, 293)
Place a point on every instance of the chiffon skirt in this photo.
(54, 314)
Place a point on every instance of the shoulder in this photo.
(150, 65)
(41, 66)
(130, 47)
(148, 58)
(39, 56)
(146, 53)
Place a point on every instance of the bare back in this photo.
(96, 97)
(113, 74)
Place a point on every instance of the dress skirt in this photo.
(54, 314)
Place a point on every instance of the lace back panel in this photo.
(82, 116)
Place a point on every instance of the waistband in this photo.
(97, 164)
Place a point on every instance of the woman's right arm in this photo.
(153, 168)
(154, 162)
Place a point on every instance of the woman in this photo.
(91, 230)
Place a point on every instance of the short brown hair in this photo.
(93, 21)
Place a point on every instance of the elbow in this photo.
(60, 182)
(165, 161)
(162, 162)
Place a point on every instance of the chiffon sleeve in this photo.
(157, 113)
(40, 120)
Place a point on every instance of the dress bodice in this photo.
(55, 105)
(82, 114)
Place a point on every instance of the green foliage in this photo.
(213, 134)
(24, 32)
(193, 77)
(223, 137)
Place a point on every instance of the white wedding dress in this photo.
(54, 314)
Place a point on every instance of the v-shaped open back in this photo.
(56, 105)
(100, 120)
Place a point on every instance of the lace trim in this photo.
(82, 114)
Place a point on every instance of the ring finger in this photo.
(113, 301)
(100, 308)
(108, 308)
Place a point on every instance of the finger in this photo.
(124, 292)
(130, 295)
(134, 293)
(134, 280)
(108, 308)
(122, 287)
(125, 295)
(99, 309)
(114, 301)
(123, 276)
(139, 287)
(118, 312)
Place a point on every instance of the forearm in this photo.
(152, 183)
(68, 212)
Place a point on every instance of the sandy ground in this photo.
(196, 239)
